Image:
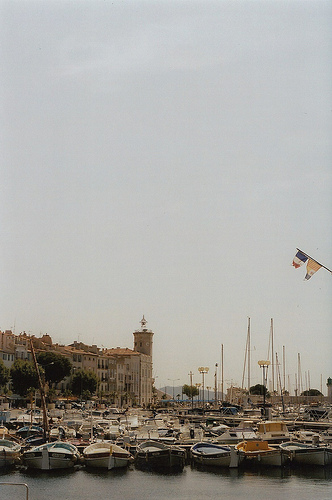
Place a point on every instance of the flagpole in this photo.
(314, 260)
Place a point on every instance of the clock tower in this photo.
(143, 339)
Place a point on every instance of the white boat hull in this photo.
(106, 456)
(312, 457)
(47, 457)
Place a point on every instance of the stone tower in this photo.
(143, 339)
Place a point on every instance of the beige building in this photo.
(124, 375)
(134, 368)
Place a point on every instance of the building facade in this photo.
(124, 375)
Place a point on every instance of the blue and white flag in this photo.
(299, 259)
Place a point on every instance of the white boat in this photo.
(62, 432)
(273, 431)
(113, 429)
(234, 435)
(213, 454)
(260, 452)
(309, 437)
(302, 453)
(106, 455)
(54, 455)
(147, 432)
(9, 452)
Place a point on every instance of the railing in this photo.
(18, 484)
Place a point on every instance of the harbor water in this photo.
(190, 484)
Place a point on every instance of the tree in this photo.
(24, 376)
(84, 381)
(312, 392)
(56, 366)
(259, 390)
(190, 391)
(4, 374)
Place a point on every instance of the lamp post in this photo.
(264, 365)
(173, 380)
(203, 370)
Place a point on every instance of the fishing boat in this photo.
(307, 454)
(9, 452)
(54, 455)
(158, 455)
(213, 454)
(106, 455)
(260, 452)
(29, 430)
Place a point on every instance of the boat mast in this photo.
(284, 366)
(42, 392)
(222, 372)
(272, 356)
(247, 358)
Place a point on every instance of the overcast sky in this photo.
(166, 158)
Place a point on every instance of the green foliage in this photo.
(56, 366)
(84, 381)
(259, 390)
(24, 376)
(312, 392)
(190, 390)
(4, 374)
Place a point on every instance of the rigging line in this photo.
(329, 270)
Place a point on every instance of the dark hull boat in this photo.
(214, 454)
(161, 456)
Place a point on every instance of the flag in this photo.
(312, 267)
(299, 259)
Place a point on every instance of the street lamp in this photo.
(264, 365)
(173, 380)
(203, 370)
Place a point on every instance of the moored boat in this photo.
(106, 455)
(307, 454)
(9, 452)
(158, 455)
(259, 452)
(213, 454)
(236, 434)
(54, 455)
(273, 431)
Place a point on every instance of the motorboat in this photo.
(53, 455)
(61, 432)
(260, 452)
(273, 431)
(307, 454)
(9, 452)
(147, 432)
(158, 455)
(234, 435)
(213, 454)
(305, 436)
(106, 455)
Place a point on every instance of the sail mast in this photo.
(272, 356)
(42, 392)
